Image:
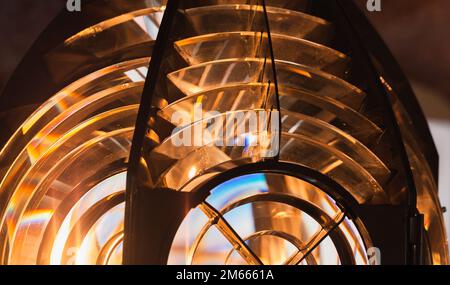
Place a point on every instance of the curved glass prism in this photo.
(241, 18)
(211, 47)
(220, 73)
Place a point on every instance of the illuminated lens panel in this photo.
(279, 219)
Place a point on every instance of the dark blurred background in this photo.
(21, 22)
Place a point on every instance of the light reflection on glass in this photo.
(110, 186)
(70, 154)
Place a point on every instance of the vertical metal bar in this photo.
(350, 11)
(145, 109)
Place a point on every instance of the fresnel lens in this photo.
(215, 132)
